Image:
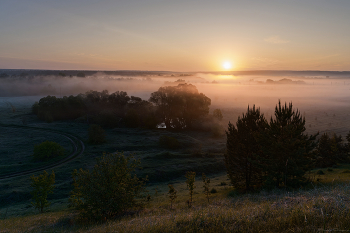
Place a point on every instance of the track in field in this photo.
(78, 149)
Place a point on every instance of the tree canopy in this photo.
(180, 106)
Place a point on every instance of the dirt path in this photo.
(78, 146)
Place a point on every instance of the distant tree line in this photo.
(277, 153)
(176, 106)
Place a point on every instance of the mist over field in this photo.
(224, 90)
(322, 96)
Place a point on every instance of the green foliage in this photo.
(330, 151)
(96, 134)
(42, 186)
(287, 151)
(172, 194)
(110, 189)
(241, 157)
(169, 142)
(217, 114)
(180, 106)
(190, 178)
(47, 150)
(206, 185)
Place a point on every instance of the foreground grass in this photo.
(324, 208)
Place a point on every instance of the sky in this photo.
(181, 35)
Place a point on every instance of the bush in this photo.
(109, 189)
(213, 190)
(47, 149)
(169, 142)
(96, 135)
(320, 172)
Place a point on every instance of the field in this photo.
(199, 151)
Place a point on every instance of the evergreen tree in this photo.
(242, 150)
(287, 151)
(330, 151)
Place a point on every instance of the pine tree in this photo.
(287, 151)
(241, 157)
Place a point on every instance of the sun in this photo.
(227, 65)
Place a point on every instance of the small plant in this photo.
(320, 172)
(169, 142)
(346, 171)
(213, 190)
(190, 178)
(330, 169)
(223, 183)
(96, 134)
(172, 195)
(206, 182)
(42, 187)
(46, 150)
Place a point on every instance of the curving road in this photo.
(78, 146)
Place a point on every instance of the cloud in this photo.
(276, 40)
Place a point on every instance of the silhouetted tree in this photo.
(287, 151)
(330, 151)
(241, 157)
(179, 106)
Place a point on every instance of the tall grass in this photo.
(321, 209)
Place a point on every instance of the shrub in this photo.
(96, 134)
(223, 183)
(109, 189)
(320, 172)
(190, 178)
(330, 169)
(42, 186)
(172, 195)
(47, 149)
(169, 142)
(213, 190)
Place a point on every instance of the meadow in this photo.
(323, 205)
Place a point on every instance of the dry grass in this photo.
(324, 208)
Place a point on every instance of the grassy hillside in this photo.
(323, 208)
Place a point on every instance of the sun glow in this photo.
(227, 65)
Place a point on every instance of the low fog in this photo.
(313, 95)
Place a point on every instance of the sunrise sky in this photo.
(181, 35)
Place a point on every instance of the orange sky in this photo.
(175, 36)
